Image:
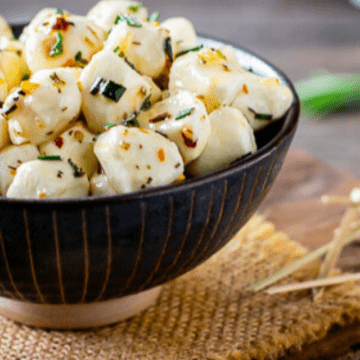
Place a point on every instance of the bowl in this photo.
(85, 262)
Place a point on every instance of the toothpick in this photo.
(314, 283)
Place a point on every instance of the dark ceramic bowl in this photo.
(86, 250)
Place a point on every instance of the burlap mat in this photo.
(207, 313)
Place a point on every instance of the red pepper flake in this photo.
(245, 89)
(61, 24)
(59, 142)
(161, 155)
(160, 117)
(187, 135)
(69, 63)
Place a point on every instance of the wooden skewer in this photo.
(337, 244)
(314, 283)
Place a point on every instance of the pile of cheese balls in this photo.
(116, 102)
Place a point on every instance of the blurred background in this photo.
(303, 38)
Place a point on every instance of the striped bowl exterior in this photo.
(87, 250)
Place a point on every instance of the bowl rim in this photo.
(290, 124)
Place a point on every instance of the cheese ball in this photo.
(5, 29)
(262, 100)
(4, 133)
(182, 119)
(11, 157)
(77, 144)
(100, 185)
(207, 75)
(44, 106)
(112, 91)
(63, 41)
(143, 45)
(104, 13)
(135, 159)
(40, 179)
(231, 137)
(182, 33)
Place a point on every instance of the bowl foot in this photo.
(82, 316)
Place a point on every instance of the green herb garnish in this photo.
(107, 34)
(25, 77)
(112, 90)
(78, 58)
(184, 113)
(168, 49)
(197, 48)
(220, 54)
(59, 11)
(132, 122)
(261, 116)
(146, 104)
(50, 157)
(131, 64)
(109, 126)
(58, 47)
(77, 171)
(153, 17)
(179, 42)
(130, 20)
(135, 8)
(96, 86)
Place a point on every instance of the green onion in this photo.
(95, 88)
(132, 122)
(153, 17)
(79, 59)
(58, 47)
(135, 8)
(58, 11)
(197, 48)
(168, 49)
(130, 21)
(220, 54)
(112, 90)
(130, 64)
(109, 126)
(77, 171)
(50, 157)
(184, 113)
(25, 77)
(179, 42)
(260, 116)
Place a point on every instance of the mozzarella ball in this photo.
(182, 33)
(104, 13)
(231, 137)
(232, 61)
(44, 106)
(39, 179)
(143, 46)
(4, 133)
(205, 74)
(262, 100)
(38, 20)
(16, 47)
(189, 131)
(10, 65)
(100, 185)
(11, 158)
(5, 29)
(112, 91)
(134, 159)
(77, 144)
(63, 41)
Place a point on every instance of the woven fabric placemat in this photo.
(207, 313)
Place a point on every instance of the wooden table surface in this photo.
(302, 38)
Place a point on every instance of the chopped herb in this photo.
(58, 47)
(108, 33)
(197, 48)
(60, 12)
(220, 54)
(77, 171)
(25, 77)
(132, 122)
(179, 42)
(135, 8)
(146, 104)
(108, 126)
(130, 64)
(112, 91)
(119, 52)
(130, 21)
(251, 70)
(54, 77)
(241, 158)
(95, 88)
(50, 157)
(116, 49)
(153, 17)
(168, 49)
(184, 113)
(260, 116)
(96, 136)
(79, 59)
